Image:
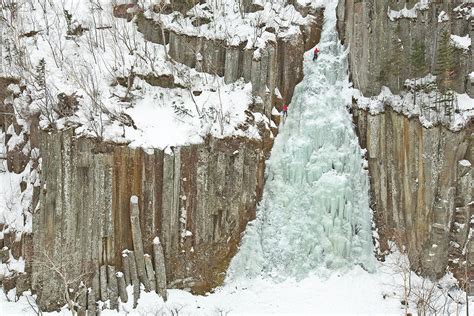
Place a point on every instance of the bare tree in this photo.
(86, 77)
(428, 296)
(159, 8)
(72, 280)
(31, 300)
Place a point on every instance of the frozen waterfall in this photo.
(314, 216)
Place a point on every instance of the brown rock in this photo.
(126, 11)
(4, 254)
(23, 283)
(16, 249)
(16, 159)
(9, 282)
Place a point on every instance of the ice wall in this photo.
(314, 215)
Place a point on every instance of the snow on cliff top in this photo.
(226, 20)
(425, 107)
(91, 55)
(408, 13)
(465, 10)
(313, 3)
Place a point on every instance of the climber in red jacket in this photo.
(316, 52)
(285, 110)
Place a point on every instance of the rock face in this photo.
(421, 179)
(365, 26)
(278, 65)
(193, 202)
(421, 187)
(197, 200)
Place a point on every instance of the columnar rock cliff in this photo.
(421, 178)
(382, 36)
(421, 186)
(194, 201)
(197, 199)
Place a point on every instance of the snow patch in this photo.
(462, 42)
(227, 22)
(443, 17)
(96, 67)
(134, 199)
(465, 163)
(420, 99)
(408, 13)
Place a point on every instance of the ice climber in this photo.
(316, 51)
(285, 110)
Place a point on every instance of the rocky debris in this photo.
(9, 236)
(152, 31)
(254, 7)
(183, 6)
(6, 109)
(164, 80)
(17, 159)
(16, 249)
(200, 21)
(67, 104)
(23, 283)
(163, 8)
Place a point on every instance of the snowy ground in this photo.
(14, 204)
(354, 292)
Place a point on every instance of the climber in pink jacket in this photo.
(316, 52)
(285, 110)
